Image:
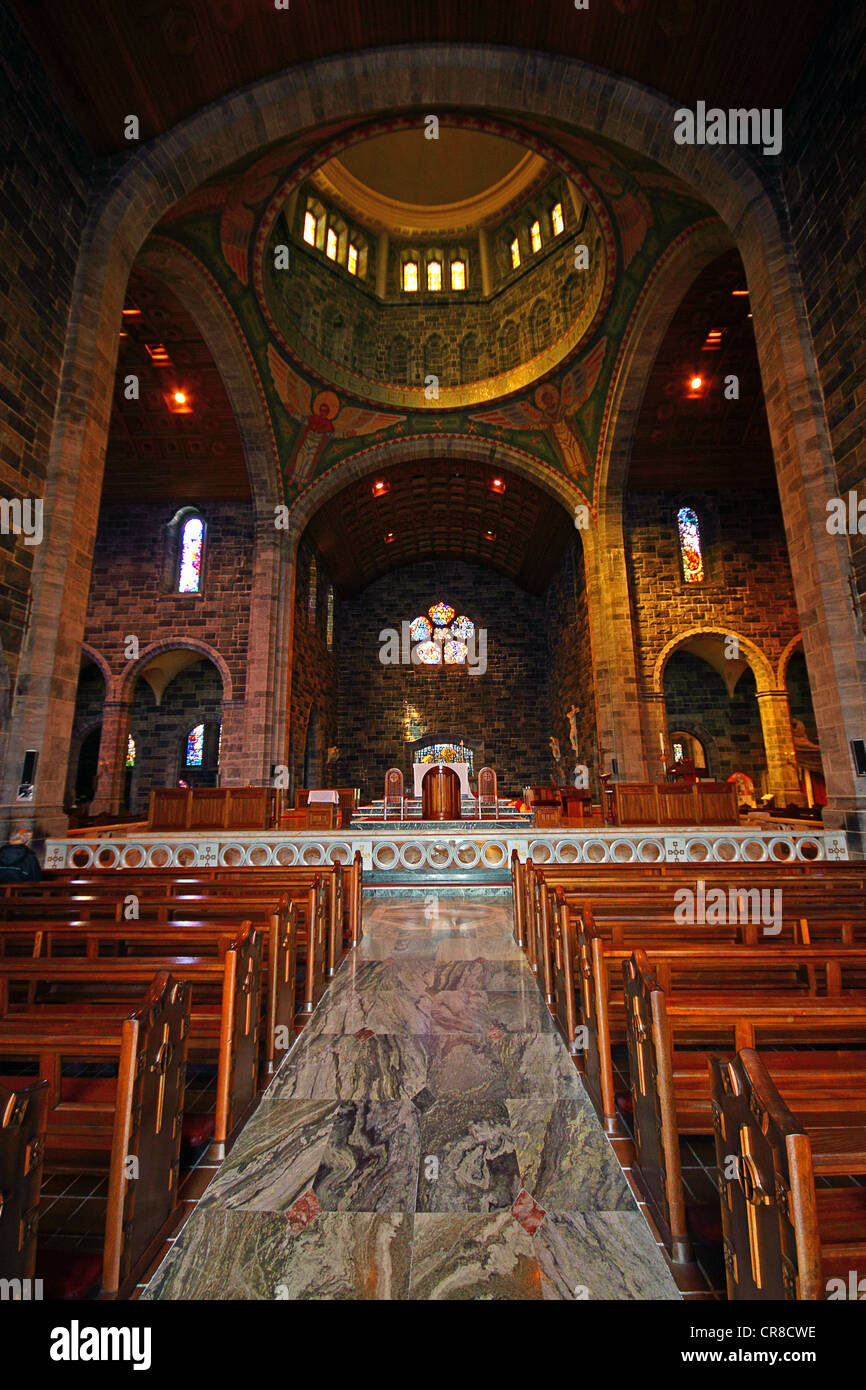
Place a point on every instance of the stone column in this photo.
(779, 748)
(233, 763)
(111, 767)
(618, 705)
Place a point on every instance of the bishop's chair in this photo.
(393, 792)
(488, 794)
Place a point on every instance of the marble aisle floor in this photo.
(426, 1138)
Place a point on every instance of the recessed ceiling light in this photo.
(180, 397)
(696, 383)
(737, 293)
(380, 488)
(490, 535)
(388, 537)
(497, 485)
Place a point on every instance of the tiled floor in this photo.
(427, 1138)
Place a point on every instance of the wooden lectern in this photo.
(440, 794)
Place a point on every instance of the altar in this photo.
(462, 770)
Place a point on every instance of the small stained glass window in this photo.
(191, 549)
(535, 236)
(428, 653)
(329, 623)
(434, 275)
(440, 614)
(678, 752)
(463, 629)
(556, 219)
(455, 653)
(410, 276)
(458, 275)
(690, 545)
(352, 260)
(331, 244)
(312, 590)
(420, 630)
(310, 228)
(130, 751)
(515, 253)
(195, 746)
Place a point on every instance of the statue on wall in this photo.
(556, 754)
(571, 716)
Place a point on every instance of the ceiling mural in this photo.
(635, 210)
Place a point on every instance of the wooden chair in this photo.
(488, 792)
(394, 791)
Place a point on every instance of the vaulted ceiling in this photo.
(700, 438)
(437, 510)
(163, 60)
(156, 454)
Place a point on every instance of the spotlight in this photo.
(388, 538)
(497, 485)
(696, 383)
(180, 398)
(380, 488)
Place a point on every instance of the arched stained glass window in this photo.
(329, 624)
(195, 746)
(312, 590)
(191, 554)
(691, 552)
(130, 751)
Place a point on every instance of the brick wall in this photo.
(748, 588)
(382, 709)
(43, 201)
(823, 181)
(128, 591)
(160, 731)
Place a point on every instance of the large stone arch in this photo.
(772, 700)
(528, 87)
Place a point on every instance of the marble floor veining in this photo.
(426, 1138)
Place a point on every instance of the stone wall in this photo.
(822, 170)
(382, 709)
(748, 588)
(130, 590)
(43, 203)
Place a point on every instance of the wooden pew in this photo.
(132, 1130)
(224, 1023)
(670, 1088)
(144, 938)
(23, 1111)
(785, 1237)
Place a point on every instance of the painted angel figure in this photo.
(552, 407)
(323, 414)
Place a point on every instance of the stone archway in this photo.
(772, 701)
(529, 88)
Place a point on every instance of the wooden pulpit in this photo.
(440, 794)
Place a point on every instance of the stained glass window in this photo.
(329, 625)
(419, 630)
(690, 546)
(331, 244)
(515, 253)
(434, 275)
(352, 260)
(556, 219)
(191, 548)
(535, 236)
(440, 614)
(463, 629)
(428, 653)
(458, 275)
(195, 746)
(678, 752)
(410, 276)
(455, 653)
(310, 227)
(130, 751)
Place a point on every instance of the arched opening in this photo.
(313, 749)
(703, 686)
(175, 722)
